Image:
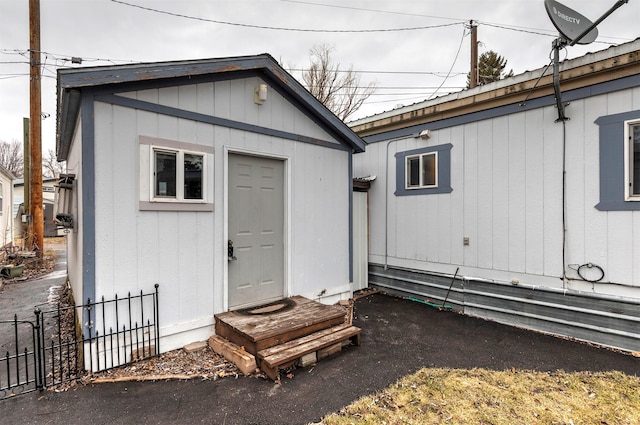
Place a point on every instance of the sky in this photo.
(412, 49)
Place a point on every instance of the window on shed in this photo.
(165, 174)
(178, 175)
(632, 152)
(422, 171)
(193, 176)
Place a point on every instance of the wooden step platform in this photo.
(319, 345)
(282, 333)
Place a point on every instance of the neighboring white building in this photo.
(48, 198)
(473, 183)
(6, 206)
(177, 164)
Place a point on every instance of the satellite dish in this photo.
(570, 23)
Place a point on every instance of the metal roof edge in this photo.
(72, 80)
(495, 89)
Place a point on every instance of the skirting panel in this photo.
(603, 320)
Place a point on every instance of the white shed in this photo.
(538, 220)
(222, 180)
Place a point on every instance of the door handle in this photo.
(230, 251)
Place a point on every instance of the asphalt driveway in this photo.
(398, 337)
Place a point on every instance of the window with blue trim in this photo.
(619, 161)
(632, 161)
(424, 171)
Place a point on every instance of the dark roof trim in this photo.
(73, 80)
(541, 102)
(210, 119)
(17, 182)
(69, 108)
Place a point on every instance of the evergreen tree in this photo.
(490, 68)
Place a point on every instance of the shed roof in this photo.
(72, 81)
(611, 64)
(7, 173)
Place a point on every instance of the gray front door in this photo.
(256, 230)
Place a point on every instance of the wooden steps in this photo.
(302, 333)
(271, 360)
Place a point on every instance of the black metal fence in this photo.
(63, 344)
(19, 366)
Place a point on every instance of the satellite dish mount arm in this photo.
(558, 44)
(569, 22)
(597, 22)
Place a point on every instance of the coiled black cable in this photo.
(590, 266)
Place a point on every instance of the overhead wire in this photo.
(538, 32)
(60, 59)
(464, 34)
(516, 28)
(266, 27)
(365, 9)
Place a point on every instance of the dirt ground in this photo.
(33, 267)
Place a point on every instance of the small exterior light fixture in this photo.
(425, 134)
(260, 95)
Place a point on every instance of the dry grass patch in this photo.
(479, 396)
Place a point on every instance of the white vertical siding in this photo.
(470, 186)
(74, 237)
(552, 201)
(360, 241)
(485, 163)
(507, 198)
(500, 193)
(534, 195)
(595, 230)
(185, 251)
(517, 192)
(6, 214)
(320, 225)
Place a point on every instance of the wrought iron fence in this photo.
(19, 371)
(64, 343)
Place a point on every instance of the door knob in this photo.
(230, 251)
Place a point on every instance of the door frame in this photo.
(286, 160)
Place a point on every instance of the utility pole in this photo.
(473, 74)
(36, 236)
(26, 174)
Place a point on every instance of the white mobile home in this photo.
(538, 219)
(224, 181)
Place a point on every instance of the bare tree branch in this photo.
(11, 157)
(340, 91)
(50, 165)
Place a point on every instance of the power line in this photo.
(63, 57)
(67, 58)
(537, 32)
(263, 27)
(516, 28)
(441, 74)
(464, 33)
(364, 9)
